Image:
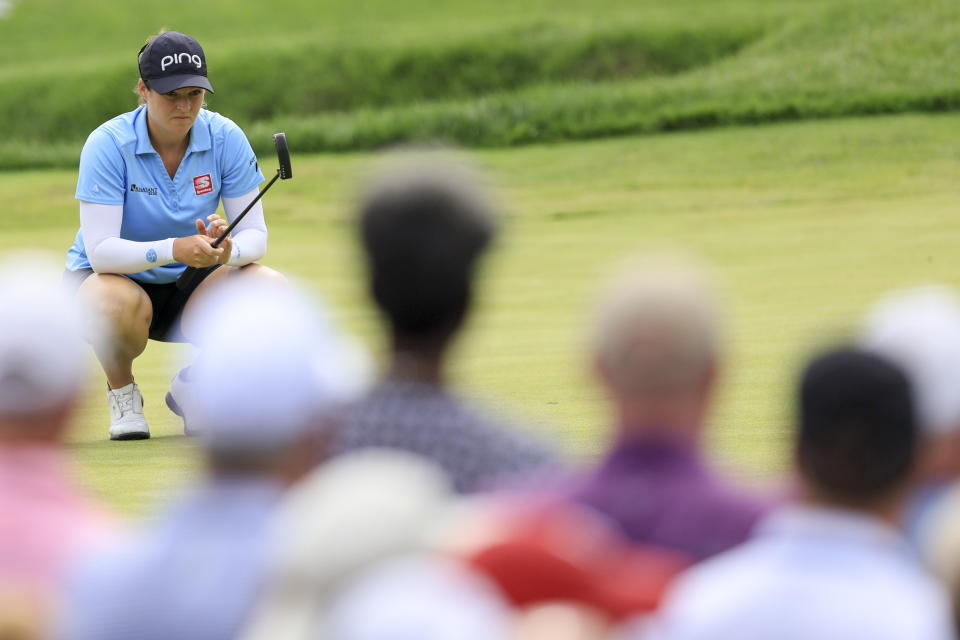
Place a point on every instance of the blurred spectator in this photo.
(942, 545)
(423, 597)
(835, 565)
(561, 621)
(268, 372)
(47, 523)
(372, 547)
(919, 329)
(548, 553)
(656, 348)
(351, 559)
(424, 225)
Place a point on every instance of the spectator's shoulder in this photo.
(730, 514)
(709, 594)
(918, 585)
(746, 503)
(733, 568)
(98, 585)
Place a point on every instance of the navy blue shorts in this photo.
(168, 301)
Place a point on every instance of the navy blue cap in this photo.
(171, 61)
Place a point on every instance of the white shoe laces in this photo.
(125, 403)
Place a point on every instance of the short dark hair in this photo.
(423, 228)
(857, 425)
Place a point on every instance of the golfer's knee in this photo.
(259, 271)
(123, 310)
(122, 307)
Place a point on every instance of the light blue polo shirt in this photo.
(118, 165)
(195, 574)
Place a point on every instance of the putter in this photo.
(285, 172)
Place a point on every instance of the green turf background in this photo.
(340, 75)
(806, 223)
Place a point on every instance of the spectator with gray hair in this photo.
(835, 564)
(424, 224)
(657, 352)
(47, 523)
(268, 375)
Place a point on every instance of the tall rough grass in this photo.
(306, 79)
(547, 85)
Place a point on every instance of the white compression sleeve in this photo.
(249, 237)
(108, 252)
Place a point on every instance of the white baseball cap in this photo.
(43, 360)
(349, 515)
(919, 330)
(270, 364)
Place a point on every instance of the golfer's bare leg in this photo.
(191, 320)
(124, 311)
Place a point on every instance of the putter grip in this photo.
(187, 278)
(191, 273)
(285, 172)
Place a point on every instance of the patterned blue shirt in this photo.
(476, 451)
(195, 575)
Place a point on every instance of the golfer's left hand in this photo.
(213, 229)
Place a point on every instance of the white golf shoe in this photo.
(126, 413)
(177, 386)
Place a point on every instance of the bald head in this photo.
(657, 328)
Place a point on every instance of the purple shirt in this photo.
(662, 493)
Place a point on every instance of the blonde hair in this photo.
(136, 87)
(657, 327)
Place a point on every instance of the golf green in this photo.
(806, 225)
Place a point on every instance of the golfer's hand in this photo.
(196, 251)
(215, 227)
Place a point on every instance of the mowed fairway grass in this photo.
(806, 224)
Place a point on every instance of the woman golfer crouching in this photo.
(148, 181)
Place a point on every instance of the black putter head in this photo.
(283, 155)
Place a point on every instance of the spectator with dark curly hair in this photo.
(424, 226)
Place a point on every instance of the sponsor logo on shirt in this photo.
(150, 191)
(151, 255)
(203, 184)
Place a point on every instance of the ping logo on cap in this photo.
(180, 58)
(171, 61)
